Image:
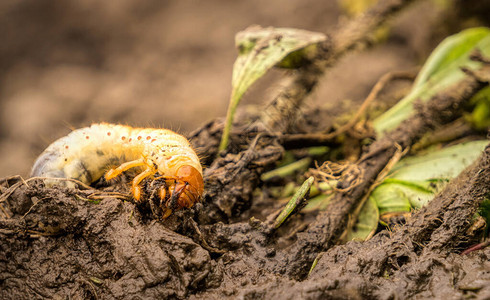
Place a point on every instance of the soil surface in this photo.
(169, 64)
(98, 244)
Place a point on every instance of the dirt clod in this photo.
(96, 242)
(78, 248)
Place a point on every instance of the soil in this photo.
(67, 65)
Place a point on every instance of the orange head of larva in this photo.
(189, 187)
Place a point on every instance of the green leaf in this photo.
(401, 196)
(446, 163)
(367, 222)
(390, 198)
(441, 70)
(259, 50)
(414, 181)
(449, 51)
(299, 165)
(319, 202)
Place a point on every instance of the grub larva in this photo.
(89, 153)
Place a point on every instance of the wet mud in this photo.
(96, 242)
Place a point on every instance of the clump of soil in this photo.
(93, 244)
(65, 245)
(98, 243)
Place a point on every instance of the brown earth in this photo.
(67, 65)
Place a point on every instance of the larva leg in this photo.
(137, 180)
(166, 213)
(113, 173)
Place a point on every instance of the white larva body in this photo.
(87, 153)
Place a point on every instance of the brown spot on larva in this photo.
(148, 137)
(108, 133)
(139, 137)
(66, 147)
(66, 159)
(123, 138)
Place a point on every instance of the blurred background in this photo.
(67, 64)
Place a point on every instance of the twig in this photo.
(457, 129)
(302, 140)
(476, 247)
(202, 240)
(378, 87)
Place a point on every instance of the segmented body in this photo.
(86, 154)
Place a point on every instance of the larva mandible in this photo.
(87, 153)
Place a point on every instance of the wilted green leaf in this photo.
(446, 163)
(367, 222)
(259, 50)
(289, 169)
(441, 70)
(401, 196)
(390, 198)
(319, 202)
(414, 181)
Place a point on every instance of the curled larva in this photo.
(87, 154)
